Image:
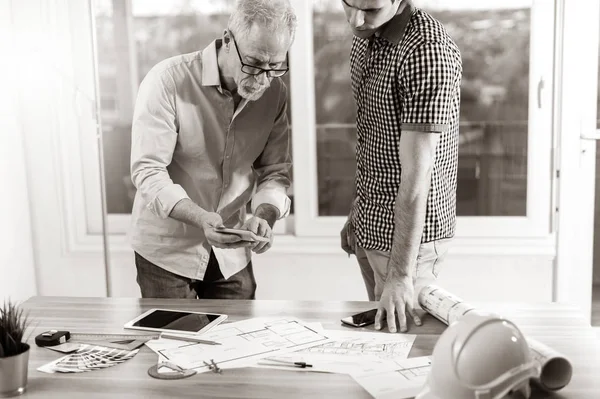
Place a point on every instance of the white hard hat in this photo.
(481, 356)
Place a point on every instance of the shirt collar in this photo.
(210, 66)
(394, 29)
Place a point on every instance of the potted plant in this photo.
(14, 352)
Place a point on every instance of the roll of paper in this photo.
(556, 370)
(443, 305)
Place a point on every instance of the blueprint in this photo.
(555, 369)
(241, 342)
(405, 381)
(443, 305)
(350, 352)
(350, 343)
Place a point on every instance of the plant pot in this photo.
(13, 373)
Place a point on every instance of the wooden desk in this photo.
(559, 326)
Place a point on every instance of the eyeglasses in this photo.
(255, 71)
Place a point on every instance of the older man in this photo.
(210, 134)
(406, 74)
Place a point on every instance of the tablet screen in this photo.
(176, 320)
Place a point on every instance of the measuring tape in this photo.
(113, 337)
(116, 341)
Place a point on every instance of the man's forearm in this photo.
(267, 212)
(188, 212)
(409, 219)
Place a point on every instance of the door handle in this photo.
(539, 92)
(593, 136)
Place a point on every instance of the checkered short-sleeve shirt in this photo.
(406, 78)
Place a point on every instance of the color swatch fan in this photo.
(87, 358)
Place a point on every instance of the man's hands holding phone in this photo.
(255, 233)
(211, 224)
(261, 228)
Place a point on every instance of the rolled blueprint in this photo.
(442, 305)
(556, 370)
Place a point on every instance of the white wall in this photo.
(58, 131)
(17, 275)
(330, 275)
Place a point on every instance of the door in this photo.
(576, 108)
(596, 256)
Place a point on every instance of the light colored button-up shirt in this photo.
(190, 141)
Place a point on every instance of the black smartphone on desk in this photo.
(361, 319)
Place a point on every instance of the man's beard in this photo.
(251, 95)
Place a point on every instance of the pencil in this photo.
(290, 363)
(189, 339)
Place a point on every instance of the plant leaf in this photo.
(13, 323)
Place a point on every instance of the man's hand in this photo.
(397, 296)
(211, 221)
(348, 241)
(261, 228)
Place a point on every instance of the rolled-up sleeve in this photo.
(274, 164)
(430, 80)
(154, 136)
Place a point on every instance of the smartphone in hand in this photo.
(244, 235)
(361, 319)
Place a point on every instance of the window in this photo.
(504, 177)
(494, 109)
(505, 133)
(154, 33)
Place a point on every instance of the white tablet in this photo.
(179, 321)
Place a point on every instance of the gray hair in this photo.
(275, 15)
